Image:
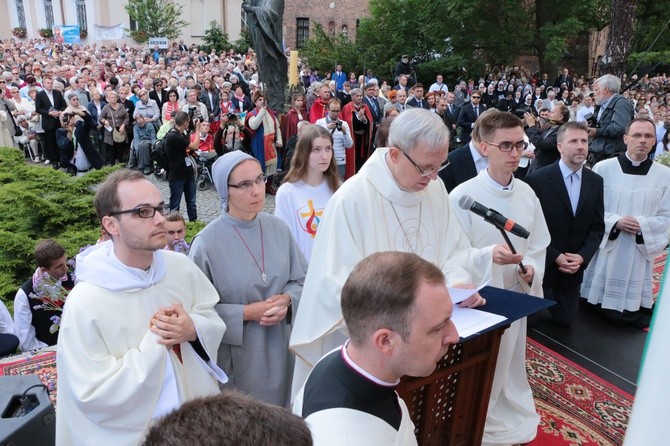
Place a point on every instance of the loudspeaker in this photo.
(30, 423)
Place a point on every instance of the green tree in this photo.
(157, 18)
(243, 43)
(215, 38)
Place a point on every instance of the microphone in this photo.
(492, 216)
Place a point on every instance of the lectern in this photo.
(449, 406)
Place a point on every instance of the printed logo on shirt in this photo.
(309, 218)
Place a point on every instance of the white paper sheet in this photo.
(469, 321)
(460, 294)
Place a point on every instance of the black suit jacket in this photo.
(461, 168)
(546, 145)
(159, 100)
(43, 105)
(578, 234)
(466, 118)
(377, 113)
(414, 103)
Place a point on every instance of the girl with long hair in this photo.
(310, 182)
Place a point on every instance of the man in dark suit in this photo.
(370, 99)
(572, 203)
(49, 103)
(465, 162)
(418, 101)
(442, 108)
(469, 114)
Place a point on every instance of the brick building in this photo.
(335, 16)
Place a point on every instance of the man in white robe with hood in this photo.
(139, 334)
(511, 417)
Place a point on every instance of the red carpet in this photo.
(577, 407)
(40, 363)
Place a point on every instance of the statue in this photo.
(264, 22)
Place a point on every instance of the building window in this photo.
(302, 31)
(132, 25)
(20, 13)
(49, 13)
(81, 14)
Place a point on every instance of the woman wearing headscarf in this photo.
(259, 287)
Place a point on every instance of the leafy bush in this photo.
(38, 203)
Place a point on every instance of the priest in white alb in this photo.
(394, 203)
(637, 228)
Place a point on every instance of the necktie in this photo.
(374, 106)
(451, 110)
(477, 111)
(574, 192)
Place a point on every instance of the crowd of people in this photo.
(343, 291)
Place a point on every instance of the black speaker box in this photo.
(32, 423)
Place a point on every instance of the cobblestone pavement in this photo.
(207, 202)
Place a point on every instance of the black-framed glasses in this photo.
(507, 146)
(428, 171)
(144, 211)
(246, 185)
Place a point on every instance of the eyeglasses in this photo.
(476, 97)
(246, 185)
(144, 212)
(507, 146)
(642, 135)
(428, 171)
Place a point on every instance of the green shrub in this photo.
(37, 203)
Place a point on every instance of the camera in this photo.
(591, 120)
(191, 112)
(338, 125)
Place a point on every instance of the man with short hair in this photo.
(402, 83)
(139, 334)
(397, 310)
(401, 101)
(144, 138)
(439, 85)
(572, 203)
(49, 103)
(637, 224)
(181, 174)
(319, 109)
(230, 418)
(36, 321)
(417, 100)
(175, 227)
(339, 77)
(613, 114)
(392, 204)
(511, 416)
(341, 134)
(469, 115)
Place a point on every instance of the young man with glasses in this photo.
(139, 335)
(469, 115)
(340, 131)
(511, 416)
(392, 204)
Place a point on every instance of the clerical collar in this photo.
(630, 167)
(495, 184)
(362, 372)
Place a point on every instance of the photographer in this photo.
(545, 139)
(195, 109)
(230, 135)
(340, 132)
(181, 169)
(613, 114)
